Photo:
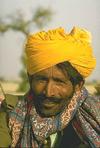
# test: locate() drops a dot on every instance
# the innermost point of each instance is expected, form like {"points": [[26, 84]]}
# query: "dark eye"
{"points": [[41, 79], [59, 81]]}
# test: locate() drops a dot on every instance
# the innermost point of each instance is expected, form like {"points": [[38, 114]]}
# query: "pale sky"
{"points": [[68, 13]]}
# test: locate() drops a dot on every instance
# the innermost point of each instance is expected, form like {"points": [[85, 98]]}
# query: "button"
{"points": [[45, 141]]}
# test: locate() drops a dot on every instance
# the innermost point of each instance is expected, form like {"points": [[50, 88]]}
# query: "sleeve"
{"points": [[5, 138], [7, 104]]}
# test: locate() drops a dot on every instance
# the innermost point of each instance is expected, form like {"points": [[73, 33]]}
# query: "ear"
{"points": [[30, 80], [79, 86], [29, 77]]}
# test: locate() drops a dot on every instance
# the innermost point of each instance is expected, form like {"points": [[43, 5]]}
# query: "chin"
{"points": [[46, 113]]}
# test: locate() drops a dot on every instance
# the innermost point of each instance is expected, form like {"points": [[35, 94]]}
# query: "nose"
{"points": [[49, 89]]}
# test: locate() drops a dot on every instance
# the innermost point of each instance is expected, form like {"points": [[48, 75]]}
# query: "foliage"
{"points": [[17, 22], [97, 87]]}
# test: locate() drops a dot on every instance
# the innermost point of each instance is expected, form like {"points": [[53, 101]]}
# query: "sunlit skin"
{"points": [[52, 91]]}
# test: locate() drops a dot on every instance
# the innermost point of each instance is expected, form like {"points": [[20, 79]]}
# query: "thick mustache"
{"points": [[49, 99]]}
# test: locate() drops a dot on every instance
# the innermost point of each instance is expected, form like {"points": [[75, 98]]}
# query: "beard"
{"points": [[50, 106]]}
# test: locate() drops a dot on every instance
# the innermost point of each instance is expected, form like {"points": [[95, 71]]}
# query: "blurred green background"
{"points": [[20, 17]]}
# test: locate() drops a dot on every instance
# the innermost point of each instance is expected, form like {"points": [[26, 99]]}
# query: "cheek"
{"points": [[66, 91]]}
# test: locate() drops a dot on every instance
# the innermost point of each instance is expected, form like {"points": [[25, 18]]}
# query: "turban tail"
{"points": [[46, 49]]}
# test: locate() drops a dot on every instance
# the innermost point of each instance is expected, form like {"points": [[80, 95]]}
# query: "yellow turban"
{"points": [[46, 49]]}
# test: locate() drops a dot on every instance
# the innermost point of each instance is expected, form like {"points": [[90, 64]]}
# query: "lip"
{"points": [[48, 104]]}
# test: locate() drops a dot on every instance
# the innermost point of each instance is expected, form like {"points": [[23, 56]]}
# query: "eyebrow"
{"points": [[40, 77], [54, 78], [59, 80]]}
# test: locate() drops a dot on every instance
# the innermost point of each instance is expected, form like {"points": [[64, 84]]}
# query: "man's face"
{"points": [[52, 91]]}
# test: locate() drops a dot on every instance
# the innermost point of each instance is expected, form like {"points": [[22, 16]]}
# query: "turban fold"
{"points": [[46, 49]]}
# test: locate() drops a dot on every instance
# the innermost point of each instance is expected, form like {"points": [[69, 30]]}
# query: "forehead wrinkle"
{"points": [[53, 72], [62, 73]]}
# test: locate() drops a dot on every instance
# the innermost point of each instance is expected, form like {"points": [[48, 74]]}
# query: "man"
{"points": [[57, 111]]}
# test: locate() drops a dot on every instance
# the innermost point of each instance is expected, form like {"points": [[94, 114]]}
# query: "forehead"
{"points": [[53, 71]]}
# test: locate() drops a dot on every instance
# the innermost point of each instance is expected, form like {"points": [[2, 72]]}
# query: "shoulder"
{"points": [[92, 102], [92, 105], [7, 104], [10, 101]]}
